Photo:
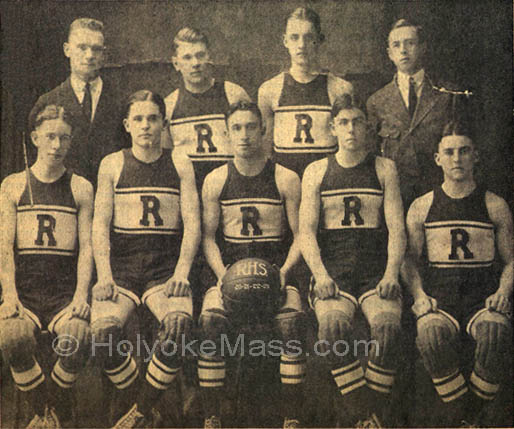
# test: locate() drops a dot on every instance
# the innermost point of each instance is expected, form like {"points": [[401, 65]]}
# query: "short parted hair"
{"points": [[87, 23], [47, 112], [457, 127], [246, 106], [189, 35], [402, 22], [309, 15], [144, 95], [346, 102]]}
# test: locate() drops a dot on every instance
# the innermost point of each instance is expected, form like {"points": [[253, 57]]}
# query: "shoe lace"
{"points": [[130, 419], [36, 422], [51, 421], [291, 423], [212, 422], [369, 423]]}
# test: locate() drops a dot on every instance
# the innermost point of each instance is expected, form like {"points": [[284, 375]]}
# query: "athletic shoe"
{"points": [[51, 419], [133, 419], [37, 422], [371, 422], [212, 422]]}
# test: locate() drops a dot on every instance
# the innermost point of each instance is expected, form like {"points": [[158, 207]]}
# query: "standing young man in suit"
{"points": [[89, 100], [409, 113]]}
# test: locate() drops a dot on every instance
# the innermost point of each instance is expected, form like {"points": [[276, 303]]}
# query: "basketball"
{"points": [[251, 286]]}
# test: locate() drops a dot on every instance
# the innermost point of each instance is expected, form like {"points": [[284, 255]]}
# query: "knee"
{"points": [[106, 329], [213, 323], [493, 343], [73, 339], [291, 325], [334, 325], [17, 340]]}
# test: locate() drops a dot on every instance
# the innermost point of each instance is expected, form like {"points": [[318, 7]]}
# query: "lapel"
{"points": [[425, 103], [73, 104], [394, 103], [101, 106]]}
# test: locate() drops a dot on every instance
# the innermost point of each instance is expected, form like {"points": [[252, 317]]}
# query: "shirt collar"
{"points": [[79, 85], [403, 78]]}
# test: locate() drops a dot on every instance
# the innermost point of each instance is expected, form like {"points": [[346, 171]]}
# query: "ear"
{"points": [[33, 137], [165, 123], [284, 40], [263, 129], [174, 62], [476, 157], [126, 125], [437, 159], [332, 128], [389, 53], [66, 48]]}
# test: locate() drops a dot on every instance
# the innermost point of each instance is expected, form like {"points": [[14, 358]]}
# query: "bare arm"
{"points": [[502, 218], [190, 212], [309, 221], [211, 217], [393, 211], [289, 186], [8, 199], [104, 206], [83, 194], [265, 105]]}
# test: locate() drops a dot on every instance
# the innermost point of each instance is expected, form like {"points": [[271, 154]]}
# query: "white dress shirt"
{"points": [[79, 88], [403, 84]]}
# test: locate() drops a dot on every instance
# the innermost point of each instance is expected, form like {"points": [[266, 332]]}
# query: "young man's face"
{"points": [[53, 140], [456, 156], [144, 124], [245, 133], [85, 49], [405, 49], [349, 127], [192, 60], [302, 41]]}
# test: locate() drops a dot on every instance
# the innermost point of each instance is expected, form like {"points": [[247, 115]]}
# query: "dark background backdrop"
{"points": [[470, 44]]}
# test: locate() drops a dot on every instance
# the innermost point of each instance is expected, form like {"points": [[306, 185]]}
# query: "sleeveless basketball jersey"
{"points": [[47, 235], [301, 123], [198, 123], [146, 206], [351, 225], [253, 216], [459, 233]]}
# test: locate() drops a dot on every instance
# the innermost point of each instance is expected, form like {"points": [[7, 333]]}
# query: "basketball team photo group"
{"points": [[252, 228]]}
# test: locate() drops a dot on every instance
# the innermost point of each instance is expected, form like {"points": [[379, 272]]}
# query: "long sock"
{"points": [[350, 381], [379, 384], [452, 390], [31, 383], [211, 375], [292, 377]]}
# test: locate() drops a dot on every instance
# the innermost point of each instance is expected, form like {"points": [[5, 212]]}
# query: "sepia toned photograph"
{"points": [[256, 214]]}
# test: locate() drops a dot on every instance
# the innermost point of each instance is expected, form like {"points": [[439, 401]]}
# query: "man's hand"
{"points": [[106, 290], [11, 307], [178, 285], [499, 301], [79, 308], [423, 305], [324, 287], [389, 287]]}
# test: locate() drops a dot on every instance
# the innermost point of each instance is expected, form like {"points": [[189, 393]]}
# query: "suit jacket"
{"points": [[411, 143], [91, 140]]}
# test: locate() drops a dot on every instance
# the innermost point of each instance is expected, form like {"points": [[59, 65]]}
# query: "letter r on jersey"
{"points": [[460, 238], [303, 124], [352, 206], [204, 135], [151, 205], [46, 225], [250, 217]]}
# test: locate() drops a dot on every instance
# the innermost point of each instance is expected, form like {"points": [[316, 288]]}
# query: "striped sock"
{"points": [[125, 374], [349, 377], [29, 379], [211, 372], [63, 377], [292, 369], [450, 387], [160, 375], [482, 388], [379, 379]]}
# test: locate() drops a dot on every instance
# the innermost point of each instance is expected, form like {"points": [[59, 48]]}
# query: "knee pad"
{"points": [[291, 325], [493, 341], [175, 326], [106, 333], [17, 340], [385, 330], [436, 343], [74, 336], [334, 325], [213, 323]]}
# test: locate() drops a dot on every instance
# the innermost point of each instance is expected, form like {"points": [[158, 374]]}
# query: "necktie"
{"points": [[413, 98], [87, 103]]}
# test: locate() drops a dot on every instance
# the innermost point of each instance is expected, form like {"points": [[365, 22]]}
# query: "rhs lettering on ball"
{"points": [[251, 268]]}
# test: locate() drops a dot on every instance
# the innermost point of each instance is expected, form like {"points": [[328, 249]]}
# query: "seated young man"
{"points": [[353, 240], [455, 233], [254, 201], [149, 195], [46, 266]]}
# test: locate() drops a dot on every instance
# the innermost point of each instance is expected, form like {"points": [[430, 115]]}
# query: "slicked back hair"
{"points": [[402, 22], [309, 15], [47, 112], [87, 23], [346, 102], [245, 106], [189, 35]]}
